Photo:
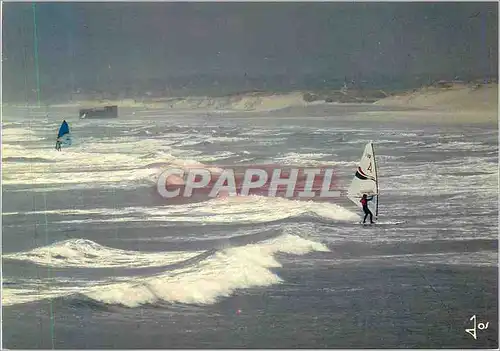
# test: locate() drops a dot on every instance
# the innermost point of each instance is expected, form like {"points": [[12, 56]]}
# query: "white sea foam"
{"points": [[251, 209], [477, 259], [203, 282], [86, 253], [206, 282], [301, 158]]}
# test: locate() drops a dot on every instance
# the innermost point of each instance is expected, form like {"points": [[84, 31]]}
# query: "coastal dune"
{"points": [[251, 101], [448, 103], [455, 97], [269, 102]]}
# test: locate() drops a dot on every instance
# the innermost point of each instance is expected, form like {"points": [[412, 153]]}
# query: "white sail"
{"points": [[365, 180]]}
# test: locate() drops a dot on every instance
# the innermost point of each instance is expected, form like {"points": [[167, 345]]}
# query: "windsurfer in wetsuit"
{"points": [[366, 210], [58, 145]]}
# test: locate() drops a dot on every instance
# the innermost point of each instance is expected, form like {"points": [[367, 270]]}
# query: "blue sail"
{"points": [[64, 136], [64, 129]]}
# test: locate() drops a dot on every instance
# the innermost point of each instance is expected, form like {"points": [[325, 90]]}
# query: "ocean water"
{"points": [[93, 258]]}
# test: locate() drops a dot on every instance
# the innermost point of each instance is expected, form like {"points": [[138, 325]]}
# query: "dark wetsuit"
{"points": [[366, 210]]}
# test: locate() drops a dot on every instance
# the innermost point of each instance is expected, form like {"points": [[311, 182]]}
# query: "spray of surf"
{"points": [[203, 282]]}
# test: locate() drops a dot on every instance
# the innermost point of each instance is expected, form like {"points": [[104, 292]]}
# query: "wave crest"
{"points": [[86, 253], [218, 276]]}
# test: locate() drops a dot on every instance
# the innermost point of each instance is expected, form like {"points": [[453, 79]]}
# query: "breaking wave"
{"points": [[203, 282], [248, 209], [86, 253], [208, 281]]}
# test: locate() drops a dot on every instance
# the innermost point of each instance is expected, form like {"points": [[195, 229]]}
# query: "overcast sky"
{"points": [[144, 40]]}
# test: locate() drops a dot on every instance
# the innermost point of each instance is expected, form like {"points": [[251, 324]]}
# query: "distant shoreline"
{"points": [[448, 101], [348, 95], [302, 97]]}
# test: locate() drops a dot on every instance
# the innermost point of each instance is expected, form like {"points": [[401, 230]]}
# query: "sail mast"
{"points": [[376, 180]]}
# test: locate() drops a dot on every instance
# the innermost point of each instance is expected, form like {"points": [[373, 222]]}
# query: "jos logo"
{"points": [[480, 326]]}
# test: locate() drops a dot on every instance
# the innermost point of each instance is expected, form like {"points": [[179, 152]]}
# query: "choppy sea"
{"points": [[93, 258]]}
